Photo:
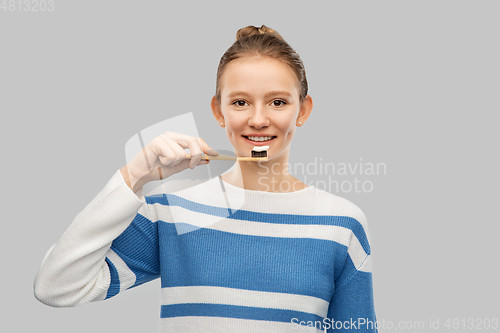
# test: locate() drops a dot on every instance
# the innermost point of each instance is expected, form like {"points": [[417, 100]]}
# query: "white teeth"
{"points": [[260, 138]]}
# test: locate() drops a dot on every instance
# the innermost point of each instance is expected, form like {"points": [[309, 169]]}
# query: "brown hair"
{"points": [[266, 42]]}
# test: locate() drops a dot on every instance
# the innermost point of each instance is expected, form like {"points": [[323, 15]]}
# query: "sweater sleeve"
{"points": [[90, 262], [352, 308]]}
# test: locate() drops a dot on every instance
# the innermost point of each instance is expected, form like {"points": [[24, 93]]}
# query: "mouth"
{"points": [[259, 140]]}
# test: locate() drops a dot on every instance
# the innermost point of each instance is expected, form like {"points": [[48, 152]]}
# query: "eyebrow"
{"points": [[271, 93]]}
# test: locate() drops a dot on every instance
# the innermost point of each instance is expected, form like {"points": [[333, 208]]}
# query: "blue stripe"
{"points": [[341, 221], [358, 290], [114, 285], [348, 272], [233, 311], [209, 257], [140, 234]]}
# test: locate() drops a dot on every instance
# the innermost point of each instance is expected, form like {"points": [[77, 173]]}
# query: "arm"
{"points": [[112, 244], [82, 266], [352, 304]]}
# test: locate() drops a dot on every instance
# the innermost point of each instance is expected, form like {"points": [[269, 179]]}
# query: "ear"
{"points": [[305, 109], [216, 110]]}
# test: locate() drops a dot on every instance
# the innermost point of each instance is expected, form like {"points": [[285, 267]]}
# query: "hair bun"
{"points": [[252, 30]]}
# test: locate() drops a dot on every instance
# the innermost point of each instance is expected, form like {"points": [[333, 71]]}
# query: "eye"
{"points": [[282, 103], [239, 103]]}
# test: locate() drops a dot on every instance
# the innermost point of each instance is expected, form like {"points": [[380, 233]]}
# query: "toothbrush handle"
{"points": [[229, 158]]}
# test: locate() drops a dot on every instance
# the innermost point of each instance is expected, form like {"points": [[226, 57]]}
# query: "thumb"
{"points": [[212, 152]]}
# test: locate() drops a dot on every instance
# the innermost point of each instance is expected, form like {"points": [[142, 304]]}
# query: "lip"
{"points": [[255, 143], [258, 134]]}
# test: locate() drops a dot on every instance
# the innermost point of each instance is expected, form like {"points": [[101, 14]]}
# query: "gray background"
{"points": [[412, 84]]}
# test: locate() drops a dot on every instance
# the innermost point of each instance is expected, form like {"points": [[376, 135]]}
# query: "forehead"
{"points": [[258, 75]]}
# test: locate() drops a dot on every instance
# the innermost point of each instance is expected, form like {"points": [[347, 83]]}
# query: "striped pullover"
{"points": [[229, 259]]}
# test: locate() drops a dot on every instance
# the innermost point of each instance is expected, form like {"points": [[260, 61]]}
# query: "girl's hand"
{"points": [[163, 157]]}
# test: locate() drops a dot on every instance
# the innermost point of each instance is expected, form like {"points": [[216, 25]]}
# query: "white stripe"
{"points": [[327, 232], [367, 265], [218, 325], [199, 220], [356, 252], [313, 202], [144, 211], [216, 198], [242, 297], [126, 276], [104, 275], [312, 199]]}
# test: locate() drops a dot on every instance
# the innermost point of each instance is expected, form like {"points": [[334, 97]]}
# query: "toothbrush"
{"points": [[259, 153]]}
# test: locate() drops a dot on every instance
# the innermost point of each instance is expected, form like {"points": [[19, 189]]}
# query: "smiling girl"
{"points": [[254, 257]]}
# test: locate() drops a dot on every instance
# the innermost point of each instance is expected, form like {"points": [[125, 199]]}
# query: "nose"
{"points": [[258, 117]]}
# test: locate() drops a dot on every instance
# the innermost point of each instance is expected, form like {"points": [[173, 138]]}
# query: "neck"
{"points": [[267, 176]]}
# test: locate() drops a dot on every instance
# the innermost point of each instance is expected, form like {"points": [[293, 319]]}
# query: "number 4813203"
{"points": [[27, 6], [471, 323]]}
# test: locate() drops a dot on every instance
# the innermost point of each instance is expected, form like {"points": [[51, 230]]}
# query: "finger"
{"points": [[181, 139], [203, 162], [167, 155], [196, 151], [212, 152], [163, 152], [182, 165], [180, 154], [207, 149], [184, 139], [189, 142]]}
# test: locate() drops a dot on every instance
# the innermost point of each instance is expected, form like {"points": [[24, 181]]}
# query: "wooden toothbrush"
{"points": [[259, 153]]}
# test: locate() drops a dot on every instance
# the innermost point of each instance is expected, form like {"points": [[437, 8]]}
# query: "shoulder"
{"points": [[330, 204], [347, 221]]}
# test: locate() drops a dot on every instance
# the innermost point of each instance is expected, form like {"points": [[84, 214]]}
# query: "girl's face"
{"points": [[260, 99]]}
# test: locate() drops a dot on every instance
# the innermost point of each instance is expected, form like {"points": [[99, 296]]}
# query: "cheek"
{"points": [[289, 127], [290, 130], [234, 124], [232, 129], [290, 133], [287, 119]]}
